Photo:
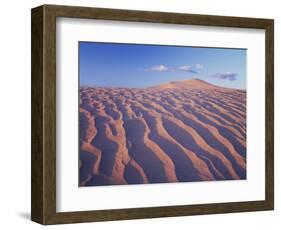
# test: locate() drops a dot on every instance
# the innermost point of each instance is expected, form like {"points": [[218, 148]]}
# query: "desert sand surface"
{"points": [[176, 132]]}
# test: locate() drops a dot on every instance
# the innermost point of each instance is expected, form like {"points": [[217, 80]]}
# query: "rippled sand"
{"points": [[177, 132]]}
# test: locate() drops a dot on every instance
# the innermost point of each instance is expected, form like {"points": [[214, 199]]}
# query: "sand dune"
{"points": [[176, 132]]}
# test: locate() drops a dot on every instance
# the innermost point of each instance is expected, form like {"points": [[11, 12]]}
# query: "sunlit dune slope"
{"points": [[176, 132], [189, 84]]}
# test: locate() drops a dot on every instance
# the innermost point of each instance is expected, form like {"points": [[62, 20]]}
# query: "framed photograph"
{"points": [[141, 114]]}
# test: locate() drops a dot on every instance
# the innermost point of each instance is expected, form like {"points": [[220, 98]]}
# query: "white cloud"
{"points": [[163, 68], [199, 66], [184, 68], [159, 68]]}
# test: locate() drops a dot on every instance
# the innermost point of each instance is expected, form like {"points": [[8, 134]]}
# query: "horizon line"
{"points": [[155, 86]]}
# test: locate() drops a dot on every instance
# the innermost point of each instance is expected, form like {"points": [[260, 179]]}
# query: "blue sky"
{"points": [[136, 65]]}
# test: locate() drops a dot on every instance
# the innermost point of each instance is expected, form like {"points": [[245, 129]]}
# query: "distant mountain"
{"points": [[189, 84]]}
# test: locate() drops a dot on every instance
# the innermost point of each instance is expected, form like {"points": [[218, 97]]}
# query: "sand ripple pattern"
{"points": [[159, 135]]}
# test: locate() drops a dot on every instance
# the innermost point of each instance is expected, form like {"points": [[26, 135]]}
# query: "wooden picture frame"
{"points": [[43, 208]]}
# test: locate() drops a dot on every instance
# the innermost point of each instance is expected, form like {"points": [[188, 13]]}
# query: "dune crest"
{"points": [[189, 84], [175, 132]]}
